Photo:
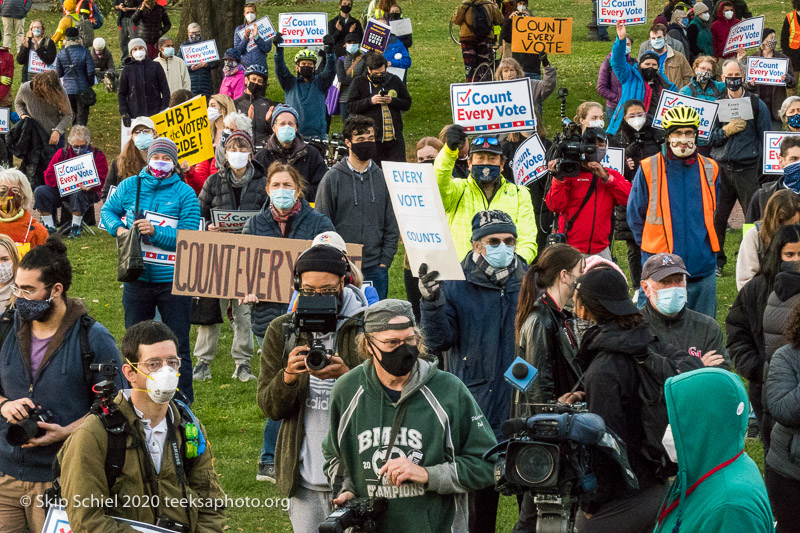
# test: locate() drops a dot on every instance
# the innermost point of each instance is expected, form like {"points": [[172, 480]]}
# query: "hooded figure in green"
{"points": [[718, 487]]}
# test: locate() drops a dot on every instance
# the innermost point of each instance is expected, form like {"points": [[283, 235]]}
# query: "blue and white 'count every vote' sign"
{"points": [[493, 106]]}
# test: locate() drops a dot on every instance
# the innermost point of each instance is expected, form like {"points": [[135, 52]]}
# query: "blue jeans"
{"points": [[141, 300], [702, 295], [343, 111], [379, 276], [270, 431]]}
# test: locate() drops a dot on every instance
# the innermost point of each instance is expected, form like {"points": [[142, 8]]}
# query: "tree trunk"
{"points": [[217, 19]]}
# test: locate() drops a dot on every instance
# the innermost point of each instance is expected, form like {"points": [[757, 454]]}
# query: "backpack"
{"points": [[481, 21], [85, 31]]}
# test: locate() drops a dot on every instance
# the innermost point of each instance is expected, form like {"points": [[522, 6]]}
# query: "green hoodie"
{"points": [[443, 429], [718, 487]]}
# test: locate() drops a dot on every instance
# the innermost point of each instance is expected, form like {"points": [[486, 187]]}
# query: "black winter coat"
{"points": [[29, 141], [303, 157], [758, 202], [151, 23], [745, 329], [261, 128], [217, 192], [783, 382], [359, 102], [200, 77], [143, 88], [46, 51]]}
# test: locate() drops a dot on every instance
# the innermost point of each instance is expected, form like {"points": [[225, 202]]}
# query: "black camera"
{"points": [[172, 525], [568, 149], [359, 513], [27, 429], [318, 357], [316, 313]]}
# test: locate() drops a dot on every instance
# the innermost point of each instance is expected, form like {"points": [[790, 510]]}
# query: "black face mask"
{"points": [[394, 16], [363, 150], [307, 72], [346, 8], [790, 266], [733, 84], [648, 74], [256, 89], [378, 79], [400, 361]]}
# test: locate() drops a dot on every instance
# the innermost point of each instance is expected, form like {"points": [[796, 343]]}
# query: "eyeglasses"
{"points": [[24, 293], [485, 140], [494, 241], [16, 191], [155, 364], [394, 344], [309, 291]]}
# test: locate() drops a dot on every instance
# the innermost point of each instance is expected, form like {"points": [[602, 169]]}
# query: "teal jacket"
{"points": [[718, 488], [443, 430]]}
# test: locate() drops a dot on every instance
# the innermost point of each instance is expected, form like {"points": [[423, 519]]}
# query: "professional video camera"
{"points": [[359, 513], [317, 313], [568, 149]]}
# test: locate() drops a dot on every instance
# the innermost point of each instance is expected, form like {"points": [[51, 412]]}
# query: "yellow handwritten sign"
{"points": [[187, 125], [534, 35]]}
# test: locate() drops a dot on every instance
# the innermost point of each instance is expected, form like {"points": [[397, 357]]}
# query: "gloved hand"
{"points": [[278, 39], [5, 80], [455, 136], [734, 126], [328, 42], [126, 119], [429, 286]]}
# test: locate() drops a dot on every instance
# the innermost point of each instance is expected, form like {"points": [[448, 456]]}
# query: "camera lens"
{"points": [[316, 359], [19, 434], [534, 464]]}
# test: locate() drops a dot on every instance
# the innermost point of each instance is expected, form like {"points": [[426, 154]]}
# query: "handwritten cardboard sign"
{"points": [[302, 29], [376, 36], [631, 12], [615, 159], [733, 108], [401, 27], [420, 215], [746, 34], [36, 65], [529, 163], [229, 265], [187, 125], [231, 221], [265, 30], [202, 52], [534, 35], [75, 173], [493, 106], [705, 108], [766, 70], [772, 150]]}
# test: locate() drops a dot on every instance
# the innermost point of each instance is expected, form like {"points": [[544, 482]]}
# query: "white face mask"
{"points": [[637, 123], [238, 160], [139, 55], [728, 15], [704, 17], [668, 441], [161, 385], [250, 17], [6, 272], [597, 124], [213, 114], [680, 151]]}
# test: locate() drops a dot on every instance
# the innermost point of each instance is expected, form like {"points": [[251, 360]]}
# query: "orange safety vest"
{"points": [[657, 233], [794, 30]]}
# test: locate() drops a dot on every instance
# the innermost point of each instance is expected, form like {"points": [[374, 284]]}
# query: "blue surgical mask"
{"points": [[351, 48], [169, 51], [791, 177], [671, 300], [286, 134], [36, 32], [499, 256], [282, 198], [793, 121], [657, 43], [143, 141], [628, 50], [485, 173]]}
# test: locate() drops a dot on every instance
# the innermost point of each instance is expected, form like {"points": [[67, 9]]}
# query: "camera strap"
{"points": [[589, 193], [398, 420]]}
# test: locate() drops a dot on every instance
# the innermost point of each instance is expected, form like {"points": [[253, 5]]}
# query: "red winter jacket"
{"points": [[720, 29], [99, 162], [6, 69], [199, 173], [590, 231]]}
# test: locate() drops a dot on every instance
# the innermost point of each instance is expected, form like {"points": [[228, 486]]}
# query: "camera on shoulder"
{"points": [[316, 313]]}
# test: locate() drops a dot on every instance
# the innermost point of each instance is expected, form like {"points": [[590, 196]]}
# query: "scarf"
{"points": [[245, 179], [283, 220], [498, 276]]}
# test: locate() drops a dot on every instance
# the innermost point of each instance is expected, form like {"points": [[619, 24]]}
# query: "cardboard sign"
{"points": [[529, 163], [772, 150], [420, 215], [188, 126], [534, 35], [58, 522], [227, 265], [493, 106], [231, 221], [766, 70], [36, 65], [401, 27], [302, 29], [5, 119], [705, 108], [76, 172], [615, 159], [376, 36], [151, 253], [265, 30], [730, 109], [202, 52], [631, 12], [746, 34]]}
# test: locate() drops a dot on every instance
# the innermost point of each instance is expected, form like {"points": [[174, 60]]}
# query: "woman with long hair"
{"points": [[44, 100], [133, 157], [589, 115], [16, 218], [9, 261], [38, 42]]}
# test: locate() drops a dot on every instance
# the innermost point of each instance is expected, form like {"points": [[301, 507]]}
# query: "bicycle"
{"points": [[332, 150], [485, 70]]}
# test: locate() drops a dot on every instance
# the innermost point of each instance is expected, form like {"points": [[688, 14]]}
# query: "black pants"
{"points": [[739, 182], [390, 151], [483, 510], [634, 262], [637, 513], [80, 111], [783, 496], [412, 291]]}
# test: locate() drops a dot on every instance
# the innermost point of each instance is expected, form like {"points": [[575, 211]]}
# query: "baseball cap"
{"points": [[330, 238], [609, 288], [143, 121], [485, 143], [378, 315], [662, 265]]}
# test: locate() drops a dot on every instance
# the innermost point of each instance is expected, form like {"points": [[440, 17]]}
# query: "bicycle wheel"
{"points": [[483, 72], [454, 35]]}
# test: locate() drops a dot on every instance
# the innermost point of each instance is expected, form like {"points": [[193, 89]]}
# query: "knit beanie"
{"points": [[133, 43], [163, 145], [650, 54], [322, 258], [488, 222], [240, 134], [283, 108], [699, 8]]}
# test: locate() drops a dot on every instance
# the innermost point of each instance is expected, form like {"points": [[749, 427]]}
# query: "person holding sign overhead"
{"points": [[252, 48], [772, 95], [38, 42], [200, 73]]}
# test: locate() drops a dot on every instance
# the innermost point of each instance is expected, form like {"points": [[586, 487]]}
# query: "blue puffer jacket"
{"points": [[397, 53], [15, 9], [254, 56], [170, 197], [306, 225], [474, 319], [308, 98], [58, 386], [201, 77], [632, 83], [79, 78]]}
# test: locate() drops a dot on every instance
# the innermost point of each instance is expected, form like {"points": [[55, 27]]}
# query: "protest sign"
{"points": [[187, 125], [36, 65], [746, 34], [151, 253], [228, 265], [493, 106], [534, 35], [766, 70], [100, 224], [401, 27], [615, 159], [399, 72], [376, 36], [58, 522], [733, 108], [302, 29], [75, 173], [772, 150], [202, 52], [265, 30], [529, 164], [631, 12], [5, 119], [705, 108], [124, 134], [231, 221], [420, 215]]}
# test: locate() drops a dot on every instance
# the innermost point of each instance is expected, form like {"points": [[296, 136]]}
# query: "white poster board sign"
{"points": [[5, 119], [202, 52], [529, 162], [124, 135], [746, 34], [631, 12], [766, 70], [100, 224], [151, 253], [401, 27], [705, 108], [615, 159], [772, 150], [302, 29], [733, 108], [58, 522], [420, 215], [36, 65], [75, 173], [493, 106], [231, 221], [265, 30]]}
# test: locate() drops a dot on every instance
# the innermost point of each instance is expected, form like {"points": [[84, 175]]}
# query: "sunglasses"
{"points": [[488, 140], [494, 241]]}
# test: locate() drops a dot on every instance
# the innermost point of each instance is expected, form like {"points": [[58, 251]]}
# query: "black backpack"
{"points": [[481, 21]]}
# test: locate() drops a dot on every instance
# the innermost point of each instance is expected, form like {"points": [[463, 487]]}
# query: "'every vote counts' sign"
{"points": [[75, 173], [529, 164], [302, 29], [706, 109], [493, 106], [772, 150], [746, 34], [631, 12]]}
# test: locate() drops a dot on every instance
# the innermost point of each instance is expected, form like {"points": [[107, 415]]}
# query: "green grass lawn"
{"points": [[228, 408]]}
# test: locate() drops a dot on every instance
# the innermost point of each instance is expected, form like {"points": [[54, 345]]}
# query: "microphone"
{"points": [[521, 374]]}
